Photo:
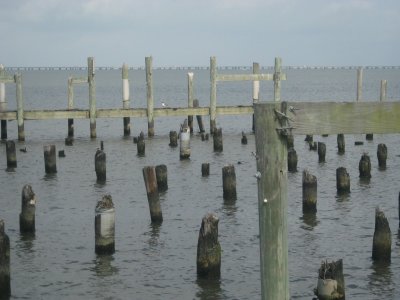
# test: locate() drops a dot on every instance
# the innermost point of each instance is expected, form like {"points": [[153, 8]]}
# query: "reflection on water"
{"points": [[50, 177], [380, 280], [309, 219], [27, 240], [342, 196], [209, 288], [229, 208], [154, 234], [103, 265]]}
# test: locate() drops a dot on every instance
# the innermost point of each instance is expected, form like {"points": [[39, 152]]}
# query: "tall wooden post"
{"points": [[190, 99], [126, 98], [92, 97], [383, 90], [359, 83], [272, 200], [150, 99], [213, 93], [20, 107], [5, 286], [3, 104], [256, 86], [70, 106], [277, 78]]}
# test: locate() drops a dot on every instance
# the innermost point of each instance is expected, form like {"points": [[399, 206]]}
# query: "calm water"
{"points": [[159, 262]]}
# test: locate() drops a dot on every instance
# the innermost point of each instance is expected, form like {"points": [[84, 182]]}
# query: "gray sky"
{"points": [[188, 32]]}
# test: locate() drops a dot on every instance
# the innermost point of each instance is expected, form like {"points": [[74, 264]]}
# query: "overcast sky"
{"points": [[188, 32]]}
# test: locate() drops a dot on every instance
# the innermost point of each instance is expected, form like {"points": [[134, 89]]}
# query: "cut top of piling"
{"points": [[105, 203]]}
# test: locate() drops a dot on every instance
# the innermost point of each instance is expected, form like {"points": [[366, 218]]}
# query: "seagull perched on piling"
{"points": [[163, 104]]}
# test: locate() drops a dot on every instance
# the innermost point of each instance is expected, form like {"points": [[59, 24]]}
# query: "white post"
{"points": [[190, 98], [126, 98]]}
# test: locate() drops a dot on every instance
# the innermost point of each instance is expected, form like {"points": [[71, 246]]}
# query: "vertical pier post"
{"points": [[359, 83], [383, 92], [198, 117], [271, 151], [104, 226], [100, 165], [277, 78], [11, 155], [150, 180], [70, 106], [3, 104], [341, 143], [20, 107], [229, 182], [126, 98], [213, 93], [5, 286], [184, 141], [92, 97], [256, 87], [150, 98], [382, 241], [162, 178], [190, 99], [50, 159], [28, 208]]}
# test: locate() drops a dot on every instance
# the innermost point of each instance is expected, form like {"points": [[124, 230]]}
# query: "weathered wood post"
{"points": [[150, 180], [290, 141], [50, 159], [229, 182], [382, 242], [383, 91], [3, 103], [173, 138], [309, 138], [359, 83], [100, 165], [309, 192], [321, 152], [341, 143], [190, 99], [205, 170], [399, 209], [5, 282], [256, 87], [330, 283], [244, 139], [104, 226], [184, 141], [272, 200], [382, 156], [141, 146], [277, 78], [150, 98], [364, 166], [292, 160], [20, 107], [342, 180], [162, 178], [313, 146], [92, 97], [70, 106], [28, 208], [208, 248], [213, 94], [126, 98], [198, 117], [369, 136], [11, 155], [217, 139]]}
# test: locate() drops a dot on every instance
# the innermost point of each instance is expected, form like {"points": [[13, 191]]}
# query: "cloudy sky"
{"points": [[188, 32]]}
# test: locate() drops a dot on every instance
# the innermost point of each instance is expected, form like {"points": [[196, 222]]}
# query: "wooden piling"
{"points": [[382, 241], [69, 141], [369, 136], [173, 138], [256, 88], [229, 182], [290, 141], [277, 79], [208, 248], [330, 283], [100, 165], [104, 226], [364, 166], [382, 156], [359, 84], [321, 152], [20, 107], [198, 117], [190, 99], [11, 155], [217, 139], [150, 98], [383, 91], [213, 94], [126, 99], [399, 209], [162, 178], [70, 106], [309, 138], [5, 282], [244, 138], [184, 141], [205, 170], [50, 161], [341, 143], [150, 180], [309, 192], [61, 153], [3, 104], [292, 160], [313, 146], [28, 208], [140, 145], [92, 97], [342, 180]]}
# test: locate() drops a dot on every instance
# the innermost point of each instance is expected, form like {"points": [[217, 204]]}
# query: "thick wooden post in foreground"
{"points": [[5, 286], [272, 200], [150, 99], [92, 97]]}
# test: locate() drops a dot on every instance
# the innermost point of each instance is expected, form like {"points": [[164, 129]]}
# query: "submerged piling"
{"points": [[162, 178], [150, 180], [5, 282], [28, 209], [321, 152], [341, 143], [309, 192], [292, 160], [244, 138], [50, 159], [208, 248], [382, 242], [104, 226], [11, 155], [173, 138], [342, 180], [229, 182], [369, 136], [205, 170], [330, 283], [100, 165], [364, 166], [184, 140], [382, 156], [140, 145], [217, 139]]}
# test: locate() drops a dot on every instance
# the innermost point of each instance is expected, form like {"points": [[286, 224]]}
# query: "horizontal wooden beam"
{"points": [[235, 110], [185, 111], [121, 112], [55, 114], [7, 79], [79, 80], [341, 117], [244, 77]]}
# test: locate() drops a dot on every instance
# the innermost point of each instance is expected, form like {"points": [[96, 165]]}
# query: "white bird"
{"points": [[163, 104]]}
